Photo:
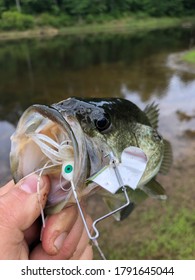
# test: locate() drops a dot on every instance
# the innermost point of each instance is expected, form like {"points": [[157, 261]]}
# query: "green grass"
{"points": [[164, 236], [173, 239], [128, 24], [189, 57]]}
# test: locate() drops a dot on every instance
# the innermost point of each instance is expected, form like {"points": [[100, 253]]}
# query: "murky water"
{"points": [[130, 66]]}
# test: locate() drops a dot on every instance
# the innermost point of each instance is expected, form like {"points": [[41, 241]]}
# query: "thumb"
{"points": [[20, 206]]}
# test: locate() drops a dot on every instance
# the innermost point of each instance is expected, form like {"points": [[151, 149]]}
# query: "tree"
{"points": [[18, 5]]}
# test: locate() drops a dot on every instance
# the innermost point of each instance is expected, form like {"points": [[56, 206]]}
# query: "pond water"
{"points": [[103, 65]]}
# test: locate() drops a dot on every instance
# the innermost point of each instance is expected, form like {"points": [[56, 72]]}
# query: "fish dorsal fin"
{"points": [[155, 190], [152, 112], [167, 158]]}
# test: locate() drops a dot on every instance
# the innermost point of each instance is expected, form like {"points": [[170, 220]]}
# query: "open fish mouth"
{"points": [[43, 143]]}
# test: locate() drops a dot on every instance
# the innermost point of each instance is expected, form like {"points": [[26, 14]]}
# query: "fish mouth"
{"points": [[44, 140]]}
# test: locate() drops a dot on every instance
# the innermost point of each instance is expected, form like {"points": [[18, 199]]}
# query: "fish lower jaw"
{"points": [[57, 201], [59, 191]]}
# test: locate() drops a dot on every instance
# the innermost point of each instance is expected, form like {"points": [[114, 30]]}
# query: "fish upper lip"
{"points": [[52, 113]]}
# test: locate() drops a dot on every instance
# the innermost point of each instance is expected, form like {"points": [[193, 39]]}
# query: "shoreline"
{"points": [[28, 34], [176, 61], [126, 25]]}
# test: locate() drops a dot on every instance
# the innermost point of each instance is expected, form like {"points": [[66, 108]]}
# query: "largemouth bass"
{"points": [[77, 134]]}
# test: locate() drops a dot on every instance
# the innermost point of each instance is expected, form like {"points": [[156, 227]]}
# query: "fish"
{"points": [[76, 134]]}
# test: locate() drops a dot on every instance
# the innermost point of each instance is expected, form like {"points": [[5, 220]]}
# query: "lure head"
{"points": [[68, 170]]}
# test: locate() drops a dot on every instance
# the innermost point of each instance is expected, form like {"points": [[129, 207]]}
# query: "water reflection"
{"points": [[179, 96], [130, 66], [48, 70]]}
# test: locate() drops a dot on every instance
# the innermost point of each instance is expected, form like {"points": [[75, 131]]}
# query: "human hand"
{"points": [[64, 236]]}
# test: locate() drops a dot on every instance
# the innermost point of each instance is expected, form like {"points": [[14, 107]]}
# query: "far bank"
{"points": [[129, 24]]}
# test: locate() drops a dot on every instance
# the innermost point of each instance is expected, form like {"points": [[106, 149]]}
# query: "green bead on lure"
{"points": [[67, 170]]}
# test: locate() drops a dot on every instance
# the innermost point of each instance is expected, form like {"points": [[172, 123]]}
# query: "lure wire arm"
{"points": [[120, 181]]}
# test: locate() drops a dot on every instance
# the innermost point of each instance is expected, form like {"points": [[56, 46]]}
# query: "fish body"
{"points": [[80, 132]]}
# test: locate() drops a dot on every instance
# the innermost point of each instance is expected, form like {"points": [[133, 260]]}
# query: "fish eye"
{"points": [[103, 123]]}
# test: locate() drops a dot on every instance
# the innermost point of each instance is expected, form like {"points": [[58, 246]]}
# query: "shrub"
{"points": [[103, 18], [15, 20], [46, 19], [65, 20], [89, 19]]}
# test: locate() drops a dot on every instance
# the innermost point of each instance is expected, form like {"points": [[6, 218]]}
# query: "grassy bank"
{"points": [[189, 57], [129, 24]]}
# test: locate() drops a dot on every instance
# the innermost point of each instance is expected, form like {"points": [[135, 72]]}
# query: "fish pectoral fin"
{"points": [[122, 214], [125, 212], [113, 202], [155, 190], [167, 158], [152, 112]]}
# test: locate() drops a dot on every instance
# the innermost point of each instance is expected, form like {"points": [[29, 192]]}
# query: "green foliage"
{"points": [[84, 8], [97, 7], [47, 19], [65, 20], [38, 7], [16, 20], [189, 6], [76, 7], [162, 8], [2, 7], [89, 11]]}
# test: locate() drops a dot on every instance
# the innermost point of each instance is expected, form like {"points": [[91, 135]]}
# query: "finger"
{"points": [[32, 234], [39, 254], [19, 208], [68, 245], [10, 185], [87, 254], [57, 228], [83, 242], [68, 241]]}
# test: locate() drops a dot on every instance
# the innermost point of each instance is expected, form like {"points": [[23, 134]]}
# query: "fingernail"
{"points": [[60, 240], [32, 184]]}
